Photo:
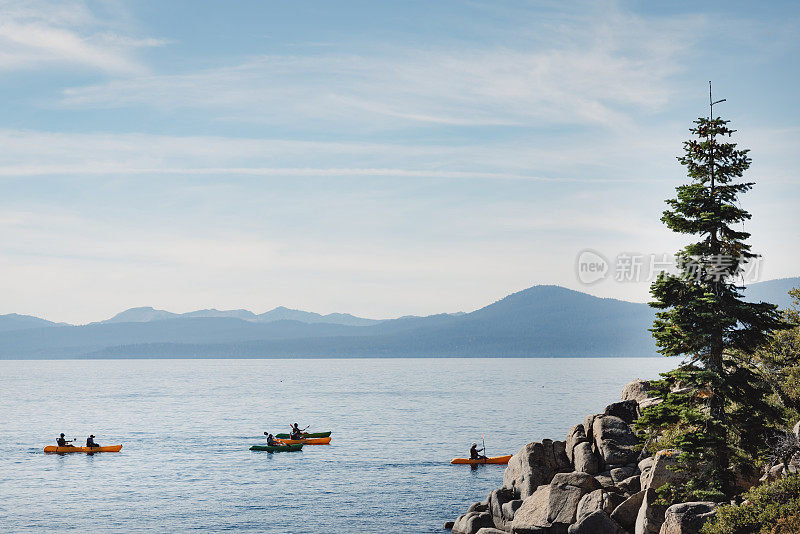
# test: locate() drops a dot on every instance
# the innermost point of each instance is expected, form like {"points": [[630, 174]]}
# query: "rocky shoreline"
{"points": [[596, 481]]}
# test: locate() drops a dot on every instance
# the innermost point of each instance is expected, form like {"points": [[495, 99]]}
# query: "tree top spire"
{"points": [[711, 102]]}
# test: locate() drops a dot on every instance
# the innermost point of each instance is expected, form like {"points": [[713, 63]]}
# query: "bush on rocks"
{"points": [[763, 509]]}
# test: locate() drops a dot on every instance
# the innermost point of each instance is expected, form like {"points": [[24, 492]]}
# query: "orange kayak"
{"points": [[307, 441], [502, 460], [69, 448]]}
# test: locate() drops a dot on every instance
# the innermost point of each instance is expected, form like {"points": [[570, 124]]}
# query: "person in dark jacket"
{"points": [[61, 442], [271, 440], [90, 442], [473, 453], [297, 432]]}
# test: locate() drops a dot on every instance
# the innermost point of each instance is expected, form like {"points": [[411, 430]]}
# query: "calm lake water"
{"points": [[186, 426]]}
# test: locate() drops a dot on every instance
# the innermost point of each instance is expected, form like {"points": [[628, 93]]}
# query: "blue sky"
{"points": [[377, 158]]}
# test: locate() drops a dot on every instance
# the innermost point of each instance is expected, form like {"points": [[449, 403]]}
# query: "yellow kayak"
{"points": [[307, 441], [502, 460], [70, 448]]}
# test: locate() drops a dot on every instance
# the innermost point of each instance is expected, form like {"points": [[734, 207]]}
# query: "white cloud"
{"points": [[593, 74], [45, 34], [34, 153]]}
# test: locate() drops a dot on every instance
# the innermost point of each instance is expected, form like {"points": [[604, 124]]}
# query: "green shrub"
{"points": [[772, 507]]}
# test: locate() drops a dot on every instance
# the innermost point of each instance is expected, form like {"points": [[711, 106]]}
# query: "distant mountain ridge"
{"points": [[541, 321], [148, 314], [774, 291], [14, 321]]}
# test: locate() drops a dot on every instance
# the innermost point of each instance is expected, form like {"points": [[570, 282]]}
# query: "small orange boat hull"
{"points": [[501, 460], [307, 441], [88, 450]]}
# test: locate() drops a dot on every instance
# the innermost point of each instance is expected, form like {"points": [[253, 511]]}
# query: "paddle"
{"points": [[483, 439]]}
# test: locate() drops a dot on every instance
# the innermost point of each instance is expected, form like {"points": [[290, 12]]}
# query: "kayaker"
{"points": [[63, 442], [297, 433], [271, 440], [473, 453], [90, 442]]}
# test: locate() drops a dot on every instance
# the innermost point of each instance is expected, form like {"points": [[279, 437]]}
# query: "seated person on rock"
{"points": [[473, 453]]}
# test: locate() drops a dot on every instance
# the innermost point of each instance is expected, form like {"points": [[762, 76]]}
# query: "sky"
{"points": [[376, 158]]}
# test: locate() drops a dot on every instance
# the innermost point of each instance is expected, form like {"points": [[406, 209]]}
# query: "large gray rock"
{"points": [[585, 460], [583, 481], [646, 464], [479, 507], [552, 508], [534, 465], [604, 479], [615, 441], [687, 517], [663, 470], [526, 471], [510, 509], [532, 515], [651, 515], [486, 530], [565, 495], [627, 410], [556, 456], [625, 513], [630, 485], [496, 501], [576, 435], [472, 522], [596, 523], [642, 392], [621, 473], [588, 428], [637, 390], [597, 500]]}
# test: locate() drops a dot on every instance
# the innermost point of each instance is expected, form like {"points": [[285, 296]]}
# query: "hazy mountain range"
{"points": [[148, 314], [544, 321]]}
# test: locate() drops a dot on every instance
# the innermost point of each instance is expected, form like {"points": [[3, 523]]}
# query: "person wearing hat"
{"points": [[473, 453], [63, 442], [90, 442]]}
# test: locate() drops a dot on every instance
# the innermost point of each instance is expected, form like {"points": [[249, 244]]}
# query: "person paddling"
{"points": [[297, 433], [61, 442], [90, 442], [473, 453], [271, 440]]}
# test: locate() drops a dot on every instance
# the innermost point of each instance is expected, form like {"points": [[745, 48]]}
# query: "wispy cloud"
{"points": [[594, 73], [46, 34], [36, 154]]}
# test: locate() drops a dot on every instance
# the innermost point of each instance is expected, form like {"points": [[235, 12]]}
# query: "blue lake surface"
{"points": [[186, 426]]}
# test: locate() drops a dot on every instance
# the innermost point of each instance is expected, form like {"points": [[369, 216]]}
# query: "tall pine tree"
{"points": [[715, 410]]}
